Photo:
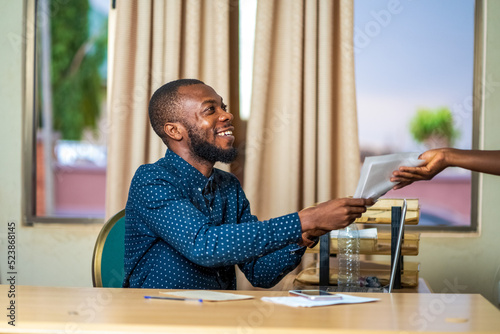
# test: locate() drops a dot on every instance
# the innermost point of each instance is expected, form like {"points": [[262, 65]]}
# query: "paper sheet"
{"points": [[304, 302], [367, 233], [377, 171], [207, 295]]}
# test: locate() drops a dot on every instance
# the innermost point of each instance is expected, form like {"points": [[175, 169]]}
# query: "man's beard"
{"points": [[207, 151]]}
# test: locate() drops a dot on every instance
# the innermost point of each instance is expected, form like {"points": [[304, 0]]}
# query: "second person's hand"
{"points": [[435, 162]]}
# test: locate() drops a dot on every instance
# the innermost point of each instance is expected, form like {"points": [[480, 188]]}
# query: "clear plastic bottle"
{"points": [[348, 257]]}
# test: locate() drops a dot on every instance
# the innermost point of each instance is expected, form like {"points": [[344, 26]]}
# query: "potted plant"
{"points": [[434, 128]]}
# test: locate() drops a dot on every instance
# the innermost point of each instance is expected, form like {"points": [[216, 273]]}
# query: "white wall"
{"points": [[55, 255]]}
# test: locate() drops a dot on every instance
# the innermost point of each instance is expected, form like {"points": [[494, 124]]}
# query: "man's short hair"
{"points": [[164, 105]]}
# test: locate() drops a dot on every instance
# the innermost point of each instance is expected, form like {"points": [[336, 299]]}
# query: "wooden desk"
{"points": [[78, 310]]}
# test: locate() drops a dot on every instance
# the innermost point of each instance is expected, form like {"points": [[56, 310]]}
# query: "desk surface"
{"points": [[77, 310]]}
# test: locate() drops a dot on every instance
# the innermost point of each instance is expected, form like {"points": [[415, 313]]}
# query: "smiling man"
{"points": [[188, 224]]}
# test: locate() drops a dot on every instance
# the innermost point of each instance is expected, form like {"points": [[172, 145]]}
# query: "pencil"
{"points": [[174, 298]]}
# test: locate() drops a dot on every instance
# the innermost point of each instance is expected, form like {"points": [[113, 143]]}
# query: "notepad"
{"points": [[207, 295]]}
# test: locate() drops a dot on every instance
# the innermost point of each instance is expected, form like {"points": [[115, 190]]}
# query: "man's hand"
{"points": [[308, 240], [332, 215], [435, 162]]}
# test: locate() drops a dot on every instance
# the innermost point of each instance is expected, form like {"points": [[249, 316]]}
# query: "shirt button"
{"points": [[199, 189]]}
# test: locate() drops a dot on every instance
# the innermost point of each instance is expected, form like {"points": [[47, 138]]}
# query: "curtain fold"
{"points": [[154, 42], [302, 140]]}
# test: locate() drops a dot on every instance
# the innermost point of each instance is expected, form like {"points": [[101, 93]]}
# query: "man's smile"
{"points": [[226, 132]]}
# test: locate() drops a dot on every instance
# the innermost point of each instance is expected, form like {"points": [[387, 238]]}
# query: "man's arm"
{"points": [[439, 159], [169, 215], [268, 270]]}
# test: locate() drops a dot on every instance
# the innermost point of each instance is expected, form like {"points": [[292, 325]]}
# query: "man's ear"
{"points": [[174, 131]]}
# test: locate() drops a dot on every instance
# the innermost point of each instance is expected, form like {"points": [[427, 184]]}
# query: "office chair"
{"points": [[107, 260]]}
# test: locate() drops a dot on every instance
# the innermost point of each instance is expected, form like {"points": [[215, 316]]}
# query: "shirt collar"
{"points": [[190, 175]]}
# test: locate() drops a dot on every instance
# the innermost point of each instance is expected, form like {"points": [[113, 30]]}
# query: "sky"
{"points": [[101, 6], [411, 54]]}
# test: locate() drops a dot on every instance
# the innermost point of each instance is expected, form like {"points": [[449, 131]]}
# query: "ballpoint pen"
{"points": [[174, 298]]}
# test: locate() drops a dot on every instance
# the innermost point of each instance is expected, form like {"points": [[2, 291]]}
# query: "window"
{"points": [[416, 57], [66, 178], [247, 14]]}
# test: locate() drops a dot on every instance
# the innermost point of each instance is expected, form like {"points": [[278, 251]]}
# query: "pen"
{"points": [[173, 298]]}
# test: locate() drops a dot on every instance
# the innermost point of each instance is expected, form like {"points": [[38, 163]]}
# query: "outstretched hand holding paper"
{"points": [[377, 172]]}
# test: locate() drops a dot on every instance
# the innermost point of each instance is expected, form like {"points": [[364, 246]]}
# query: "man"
{"points": [[188, 224]]}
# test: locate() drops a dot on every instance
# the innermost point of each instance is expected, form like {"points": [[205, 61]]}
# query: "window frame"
{"points": [[477, 108], [29, 136]]}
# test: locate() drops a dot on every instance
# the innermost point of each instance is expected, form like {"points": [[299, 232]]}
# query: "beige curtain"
{"points": [[302, 140], [153, 42]]}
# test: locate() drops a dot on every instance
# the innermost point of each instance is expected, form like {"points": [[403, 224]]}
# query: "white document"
{"points": [[367, 233], [304, 302], [206, 295], [377, 171]]}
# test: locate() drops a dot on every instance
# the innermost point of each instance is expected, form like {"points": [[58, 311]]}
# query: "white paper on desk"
{"points": [[304, 302], [377, 171], [206, 295]]}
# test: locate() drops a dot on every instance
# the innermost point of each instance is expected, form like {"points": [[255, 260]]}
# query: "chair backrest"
{"points": [[107, 261]]}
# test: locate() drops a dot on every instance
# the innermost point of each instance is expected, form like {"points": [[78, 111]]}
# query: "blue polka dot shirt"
{"points": [[186, 231]]}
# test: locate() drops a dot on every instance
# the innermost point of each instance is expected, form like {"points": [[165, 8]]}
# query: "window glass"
{"points": [[70, 80], [414, 76]]}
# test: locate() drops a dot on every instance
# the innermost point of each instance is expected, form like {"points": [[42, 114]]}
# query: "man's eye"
{"points": [[224, 107]]}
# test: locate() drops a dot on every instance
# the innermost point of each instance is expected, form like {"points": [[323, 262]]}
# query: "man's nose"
{"points": [[225, 116]]}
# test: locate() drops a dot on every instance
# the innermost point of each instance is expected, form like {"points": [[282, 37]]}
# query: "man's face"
{"points": [[208, 124]]}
